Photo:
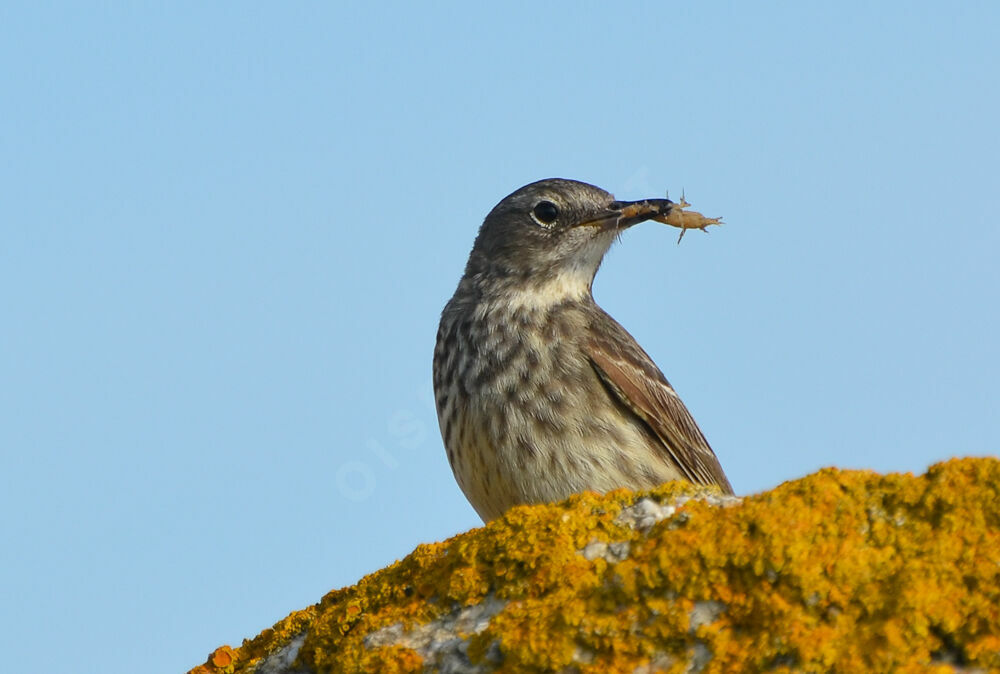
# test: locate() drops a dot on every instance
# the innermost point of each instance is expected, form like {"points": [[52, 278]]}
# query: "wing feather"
{"points": [[631, 375]]}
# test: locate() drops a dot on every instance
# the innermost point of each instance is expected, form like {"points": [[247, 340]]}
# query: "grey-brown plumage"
{"points": [[541, 394]]}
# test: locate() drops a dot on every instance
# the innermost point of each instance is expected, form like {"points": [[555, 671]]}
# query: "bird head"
{"points": [[549, 237]]}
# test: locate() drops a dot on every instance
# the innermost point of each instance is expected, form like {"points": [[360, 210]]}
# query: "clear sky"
{"points": [[227, 231]]}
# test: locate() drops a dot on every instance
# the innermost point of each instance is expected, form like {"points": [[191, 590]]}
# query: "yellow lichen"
{"points": [[841, 570]]}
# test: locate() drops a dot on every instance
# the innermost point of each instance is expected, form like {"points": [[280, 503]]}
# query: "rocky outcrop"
{"points": [[839, 571]]}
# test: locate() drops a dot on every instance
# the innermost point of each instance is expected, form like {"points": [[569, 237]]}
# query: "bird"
{"points": [[540, 394]]}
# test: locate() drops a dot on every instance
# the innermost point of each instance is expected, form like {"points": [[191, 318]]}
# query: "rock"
{"points": [[838, 571]]}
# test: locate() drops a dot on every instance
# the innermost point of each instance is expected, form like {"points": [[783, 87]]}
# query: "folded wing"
{"points": [[632, 376]]}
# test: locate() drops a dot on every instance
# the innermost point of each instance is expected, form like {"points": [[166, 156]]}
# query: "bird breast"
{"points": [[523, 415]]}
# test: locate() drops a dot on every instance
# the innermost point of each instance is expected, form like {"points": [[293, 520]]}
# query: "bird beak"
{"points": [[634, 212], [623, 214]]}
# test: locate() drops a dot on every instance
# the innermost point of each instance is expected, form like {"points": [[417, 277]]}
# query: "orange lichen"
{"points": [[841, 570], [221, 657]]}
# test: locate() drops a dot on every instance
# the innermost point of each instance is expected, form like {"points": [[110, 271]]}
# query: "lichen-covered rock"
{"points": [[843, 571]]}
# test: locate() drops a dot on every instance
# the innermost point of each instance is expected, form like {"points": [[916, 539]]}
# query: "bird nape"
{"points": [[541, 394]]}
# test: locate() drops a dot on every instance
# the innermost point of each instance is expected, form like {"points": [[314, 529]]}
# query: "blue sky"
{"points": [[227, 231]]}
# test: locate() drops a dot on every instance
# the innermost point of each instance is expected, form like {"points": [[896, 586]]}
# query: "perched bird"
{"points": [[541, 394]]}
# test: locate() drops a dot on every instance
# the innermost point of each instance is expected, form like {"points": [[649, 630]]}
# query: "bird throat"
{"points": [[572, 284], [569, 280]]}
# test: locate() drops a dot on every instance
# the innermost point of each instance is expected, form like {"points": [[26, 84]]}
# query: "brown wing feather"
{"points": [[632, 376]]}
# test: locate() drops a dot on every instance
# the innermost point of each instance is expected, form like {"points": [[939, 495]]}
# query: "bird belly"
{"points": [[541, 434]]}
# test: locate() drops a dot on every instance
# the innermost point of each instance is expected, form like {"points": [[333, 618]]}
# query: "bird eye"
{"points": [[545, 212]]}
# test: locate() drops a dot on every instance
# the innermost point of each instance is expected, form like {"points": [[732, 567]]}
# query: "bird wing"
{"points": [[632, 376]]}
